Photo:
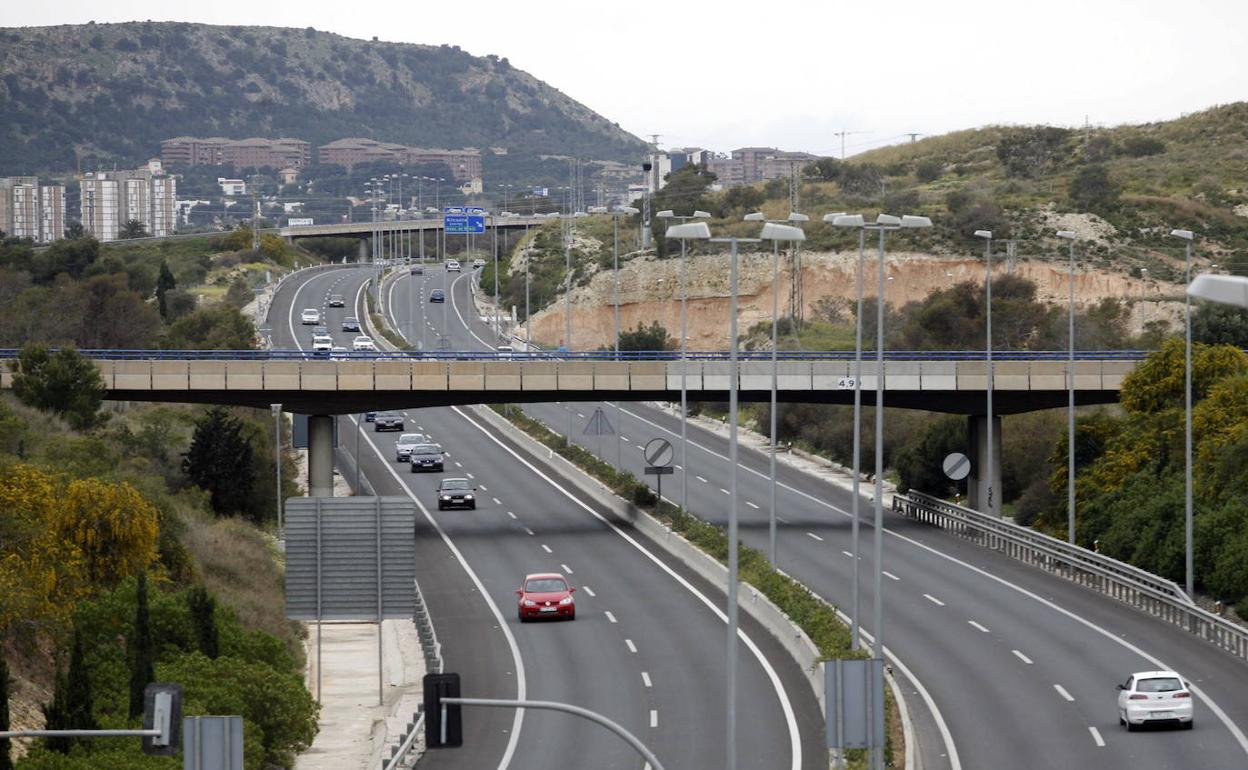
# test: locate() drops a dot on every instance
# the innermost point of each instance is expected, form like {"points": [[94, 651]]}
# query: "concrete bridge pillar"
{"points": [[363, 250], [320, 455], [984, 494]]}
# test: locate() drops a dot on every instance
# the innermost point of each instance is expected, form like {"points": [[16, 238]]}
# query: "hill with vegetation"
{"points": [[95, 94]]}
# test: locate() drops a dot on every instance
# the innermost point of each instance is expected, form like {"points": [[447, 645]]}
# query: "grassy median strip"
{"points": [[810, 613]]}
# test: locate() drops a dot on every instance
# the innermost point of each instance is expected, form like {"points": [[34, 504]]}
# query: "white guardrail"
{"points": [[1128, 584]]}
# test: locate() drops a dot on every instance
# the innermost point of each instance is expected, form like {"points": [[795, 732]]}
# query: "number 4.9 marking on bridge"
{"points": [[845, 383]]}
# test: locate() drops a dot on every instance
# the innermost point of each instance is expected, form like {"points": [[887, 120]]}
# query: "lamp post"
{"points": [[684, 356], [883, 223], [276, 410], [615, 266], [1187, 236], [1070, 393], [989, 504], [567, 295], [758, 216]]}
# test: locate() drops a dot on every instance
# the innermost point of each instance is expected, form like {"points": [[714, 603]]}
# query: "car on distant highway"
{"points": [[406, 443], [478, 263], [1155, 698], [320, 330], [370, 416], [350, 324], [505, 351], [453, 266], [322, 343], [363, 342], [426, 457], [338, 353], [456, 493], [336, 300], [388, 421], [545, 595], [310, 315], [437, 295], [417, 270]]}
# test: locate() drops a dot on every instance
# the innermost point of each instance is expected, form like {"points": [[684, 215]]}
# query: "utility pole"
{"points": [[914, 136], [255, 218], [842, 134]]}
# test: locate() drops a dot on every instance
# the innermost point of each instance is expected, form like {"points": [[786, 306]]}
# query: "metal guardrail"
{"points": [[1118, 580], [585, 355], [433, 664]]}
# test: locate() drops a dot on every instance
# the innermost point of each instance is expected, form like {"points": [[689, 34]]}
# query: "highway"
{"points": [[1018, 666], [647, 647]]}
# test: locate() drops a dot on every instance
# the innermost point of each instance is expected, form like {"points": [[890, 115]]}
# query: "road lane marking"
{"points": [[469, 475], [847, 553], [484, 488], [546, 548], [512, 515], [726, 492], [1096, 736], [654, 718], [1022, 657], [611, 617], [1062, 692], [567, 569], [631, 647], [782, 520], [752, 505], [623, 438], [812, 534], [979, 628], [699, 478], [889, 575], [934, 600], [645, 679], [529, 531], [588, 590], [496, 501], [458, 464]]}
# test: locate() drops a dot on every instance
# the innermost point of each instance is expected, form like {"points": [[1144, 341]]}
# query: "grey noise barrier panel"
{"points": [[350, 558]]}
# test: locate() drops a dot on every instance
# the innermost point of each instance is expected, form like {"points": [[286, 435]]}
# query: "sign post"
{"points": [[658, 454], [599, 426]]}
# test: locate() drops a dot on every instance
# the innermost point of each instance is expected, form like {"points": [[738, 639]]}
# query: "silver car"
{"points": [[426, 457], [406, 443]]}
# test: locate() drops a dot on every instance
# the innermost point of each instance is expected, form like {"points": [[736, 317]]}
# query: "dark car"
{"points": [[417, 270], [336, 300], [350, 324], [425, 457], [456, 493], [437, 295], [388, 421], [370, 416], [545, 595]]}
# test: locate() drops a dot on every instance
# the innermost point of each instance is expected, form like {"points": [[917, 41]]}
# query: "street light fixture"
{"points": [[615, 255], [883, 223], [1069, 235], [684, 346], [989, 502], [1188, 236]]}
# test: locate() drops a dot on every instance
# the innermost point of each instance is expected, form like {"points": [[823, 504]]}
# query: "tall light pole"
{"points": [[684, 355], [615, 267], [758, 216], [1187, 236], [567, 296], [276, 410], [990, 502], [883, 224], [855, 602], [1069, 235]]}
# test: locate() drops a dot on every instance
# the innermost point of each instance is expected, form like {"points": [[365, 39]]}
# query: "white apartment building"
{"points": [[51, 213], [100, 207], [122, 196], [30, 210]]}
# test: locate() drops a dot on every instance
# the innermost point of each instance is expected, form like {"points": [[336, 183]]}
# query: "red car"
{"points": [[545, 595]]}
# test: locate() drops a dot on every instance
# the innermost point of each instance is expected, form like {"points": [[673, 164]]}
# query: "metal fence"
{"points": [[1131, 585]]}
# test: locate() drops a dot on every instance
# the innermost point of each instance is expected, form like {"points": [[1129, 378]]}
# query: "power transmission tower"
{"points": [[914, 136], [842, 134]]}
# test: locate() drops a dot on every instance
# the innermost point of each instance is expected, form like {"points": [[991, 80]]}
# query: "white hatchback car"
{"points": [[1155, 697], [363, 342], [452, 266], [406, 443], [478, 264], [310, 315]]}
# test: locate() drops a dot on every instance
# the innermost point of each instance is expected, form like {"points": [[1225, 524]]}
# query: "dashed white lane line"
{"points": [[469, 475], [848, 553], [578, 414], [1022, 657], [889, 575], [699, 478], [1096, 736], [678, 466], [588, 590], [610, 617], [726, 492], [1062, 692], [781, 519], [512, 515], [812, 534], [624, 438], [752, 505], [546, 548], [654, 717], [645, 679], [496, 501], [934, 600], [528, 531], [567, 569], [458, 464], [631, 647], [639, 446], [978, 627]]}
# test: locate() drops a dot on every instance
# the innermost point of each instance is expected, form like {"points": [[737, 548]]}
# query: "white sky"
{"points": [[726, 73]]}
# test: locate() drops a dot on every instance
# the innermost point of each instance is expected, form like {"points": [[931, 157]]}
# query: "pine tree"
{"points": [[220, 460], [6, 760], [71, 706], [202, 607], [164, 282], [140, 649]]}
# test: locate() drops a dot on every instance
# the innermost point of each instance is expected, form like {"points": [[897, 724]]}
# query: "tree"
{"points": [[113, 527], [216, 327], [112, 314], [140, 649], [1093, 190], [919, 465], [203, 607], [164, 283], [928, 170], [645, 338], [1026, 152], [65, 382], [72, 703], [220, 461], [74, 231], [1216, 324], [71, 257], [133, 228]]}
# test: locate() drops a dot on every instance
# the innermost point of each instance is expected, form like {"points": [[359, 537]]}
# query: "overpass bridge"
{"points": [[362, 229]]}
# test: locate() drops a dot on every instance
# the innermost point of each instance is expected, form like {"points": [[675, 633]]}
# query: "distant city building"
{"points": [[783, 165], [289, 175], [145, 195], [240, 153], [232, 186], [752, 161], [465, 164], [728, 171], [30, 210]]}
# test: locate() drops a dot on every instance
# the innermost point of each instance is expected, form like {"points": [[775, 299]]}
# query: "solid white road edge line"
{"points": [[1161, 665], [795, 739]]}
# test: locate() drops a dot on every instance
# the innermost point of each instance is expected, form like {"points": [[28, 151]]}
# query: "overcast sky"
{"points": [[725, 73]]}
